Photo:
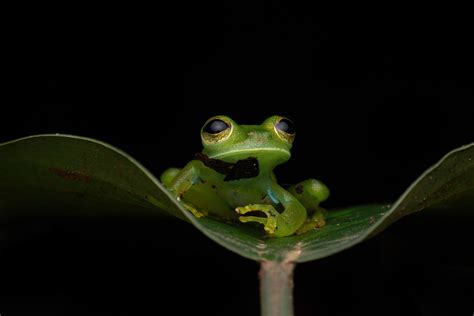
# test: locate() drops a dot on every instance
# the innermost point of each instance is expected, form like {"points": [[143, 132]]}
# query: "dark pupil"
{"points": [[215, 126], [286, 126]]}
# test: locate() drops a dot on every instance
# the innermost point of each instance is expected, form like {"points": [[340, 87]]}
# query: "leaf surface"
{"points": [[77, 175]]}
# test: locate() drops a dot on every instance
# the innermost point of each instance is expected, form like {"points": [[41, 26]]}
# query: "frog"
{"points": [[233, 178]]}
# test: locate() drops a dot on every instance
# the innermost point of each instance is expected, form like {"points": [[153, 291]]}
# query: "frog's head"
{"points": [[269, 142]]}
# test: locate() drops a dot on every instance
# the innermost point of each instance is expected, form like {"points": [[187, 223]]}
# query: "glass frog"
{"points": [[233, 178]]}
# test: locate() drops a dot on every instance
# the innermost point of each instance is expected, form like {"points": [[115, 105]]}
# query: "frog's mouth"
{"points": [[242, 169], [254, 152]]}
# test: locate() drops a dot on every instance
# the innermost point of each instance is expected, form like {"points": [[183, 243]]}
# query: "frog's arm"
{"points": [[277, 224], [179, 181]]}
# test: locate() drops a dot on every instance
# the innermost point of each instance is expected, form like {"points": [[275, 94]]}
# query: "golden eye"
{"points": [[285, 128], [216, 129]]}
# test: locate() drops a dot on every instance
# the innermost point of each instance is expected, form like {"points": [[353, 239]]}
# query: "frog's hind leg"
{"points": [[310, 193], [315, 220], [168, 175]]}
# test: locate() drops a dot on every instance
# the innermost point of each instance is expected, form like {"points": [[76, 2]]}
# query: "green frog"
{"points": [[233, 178]]}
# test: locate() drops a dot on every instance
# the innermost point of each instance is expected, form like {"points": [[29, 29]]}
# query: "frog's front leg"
{"points": [[269, 223], [179, 181], [275, 223], [310, 193]]}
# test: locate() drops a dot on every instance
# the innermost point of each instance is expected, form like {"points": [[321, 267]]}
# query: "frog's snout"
{"points": [[259, 136]]}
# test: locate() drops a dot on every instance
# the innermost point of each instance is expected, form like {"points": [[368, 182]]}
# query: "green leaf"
{"points": [[76, 175], [83, 175]]}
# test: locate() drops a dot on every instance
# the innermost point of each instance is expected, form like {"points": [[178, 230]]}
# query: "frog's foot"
{"points": [[194, 211], [317, 220], [269, 222]]}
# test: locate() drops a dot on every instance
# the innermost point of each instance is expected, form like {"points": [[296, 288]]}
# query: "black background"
{"points": [[377, 98]]}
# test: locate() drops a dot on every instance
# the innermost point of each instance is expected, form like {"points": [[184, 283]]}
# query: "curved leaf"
{"points": [[81, 173], [61, 172]]}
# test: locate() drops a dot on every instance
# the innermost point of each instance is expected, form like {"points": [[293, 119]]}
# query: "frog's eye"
{"points": [[215, 126], [285, 128], [216, 129]]}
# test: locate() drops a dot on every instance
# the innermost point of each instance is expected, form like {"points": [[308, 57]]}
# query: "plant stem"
{"points": [[276, 288]]}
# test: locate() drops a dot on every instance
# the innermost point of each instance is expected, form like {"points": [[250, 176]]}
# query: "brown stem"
{"points": [[276, 288]]}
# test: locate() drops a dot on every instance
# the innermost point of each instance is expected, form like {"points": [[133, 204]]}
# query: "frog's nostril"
{"points": [[258, 135]]}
